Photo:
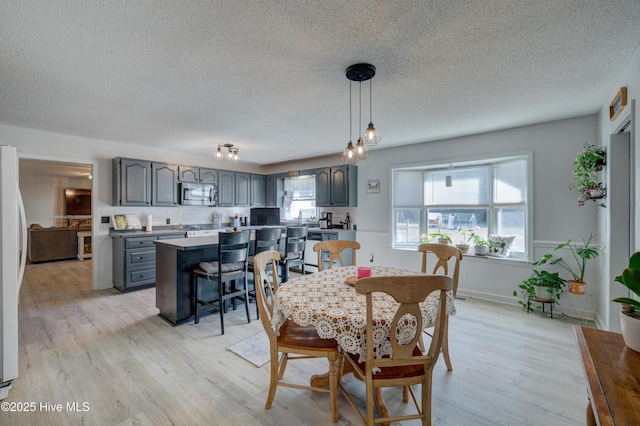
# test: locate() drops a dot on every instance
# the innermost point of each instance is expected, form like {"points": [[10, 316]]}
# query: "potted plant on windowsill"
{"points": [[480, 245], [630, 313], [586, 166], [442, 238], [465, 237], [576, 268]]}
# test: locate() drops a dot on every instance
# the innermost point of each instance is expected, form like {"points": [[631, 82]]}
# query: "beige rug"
{"points": [[254, 349]]}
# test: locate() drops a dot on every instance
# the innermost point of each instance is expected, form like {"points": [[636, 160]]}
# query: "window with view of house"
{"points": [[487, 197]]}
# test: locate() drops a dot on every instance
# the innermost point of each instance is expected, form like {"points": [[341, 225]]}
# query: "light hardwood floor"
{"points": [[112, 352]]}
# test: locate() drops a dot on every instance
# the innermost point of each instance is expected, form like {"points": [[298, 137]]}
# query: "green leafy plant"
{"points": [[586, 166], [551, 282], [480, 241], [630, 278], [580, 255], [465, 235], [438, 235]]}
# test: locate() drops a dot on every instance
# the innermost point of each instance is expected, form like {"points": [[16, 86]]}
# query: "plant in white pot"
{"points": [[480, 245], [465, 238], [576, 267], [630, 313]]}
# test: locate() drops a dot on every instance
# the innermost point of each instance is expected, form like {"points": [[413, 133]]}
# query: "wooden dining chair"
{"points": [[445, 255], [229, 268], [335, 248], [293, 254], [407, 365], [265, 239], [302, 342]]}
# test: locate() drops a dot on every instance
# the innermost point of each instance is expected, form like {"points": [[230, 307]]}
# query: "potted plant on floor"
{"points": [[541, 286], [465, 238], [575, 267], [480, 245], [630, 313], [586, 166]]}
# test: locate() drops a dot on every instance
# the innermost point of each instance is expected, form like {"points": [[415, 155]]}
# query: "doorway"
{"points": [[42, 182]]}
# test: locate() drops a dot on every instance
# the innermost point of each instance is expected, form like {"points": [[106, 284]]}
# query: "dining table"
{"points": [[327, 301]]}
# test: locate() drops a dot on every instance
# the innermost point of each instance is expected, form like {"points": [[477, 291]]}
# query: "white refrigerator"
{"points": [[12, 261]]}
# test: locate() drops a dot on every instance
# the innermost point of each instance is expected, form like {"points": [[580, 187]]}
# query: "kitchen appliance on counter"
{"points": [[198, 194], [265, 216], [326, 220]]}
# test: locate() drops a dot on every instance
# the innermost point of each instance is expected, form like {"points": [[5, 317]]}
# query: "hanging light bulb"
{"points": [[230, 154], [372, 137], [350, 156], [235, 156], [361, 150], [219, 153]]}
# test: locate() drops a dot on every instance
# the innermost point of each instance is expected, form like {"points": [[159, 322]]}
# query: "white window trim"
{"points": [[463, 161]]}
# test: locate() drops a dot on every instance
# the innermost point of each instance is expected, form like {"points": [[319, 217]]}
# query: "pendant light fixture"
{"points": [[371, 135], [349, 155], [232, 153], [361, 150], [359, 73], [447, 179]]}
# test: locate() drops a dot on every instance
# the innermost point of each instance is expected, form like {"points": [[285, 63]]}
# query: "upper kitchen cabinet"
{"points": [[337, 186], [257, 191], [271, 191], [197, 174], [164, 186], [131, 182], [227, 189], [243, 192]]}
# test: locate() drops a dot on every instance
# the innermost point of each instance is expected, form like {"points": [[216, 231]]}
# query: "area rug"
{"points": [[254, 349]]}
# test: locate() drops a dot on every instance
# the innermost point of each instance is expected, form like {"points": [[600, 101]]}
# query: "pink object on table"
{"points": [[364, 272]]}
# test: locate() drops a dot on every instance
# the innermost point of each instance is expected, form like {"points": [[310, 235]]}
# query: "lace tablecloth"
{"points": [[326, 302]]}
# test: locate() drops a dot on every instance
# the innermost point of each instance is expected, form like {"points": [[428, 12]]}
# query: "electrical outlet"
{"points": [[168, 221], [104, 219], [371, 258]]}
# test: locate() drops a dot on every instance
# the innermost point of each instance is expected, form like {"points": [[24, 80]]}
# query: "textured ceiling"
{"points": [[268, 76]]}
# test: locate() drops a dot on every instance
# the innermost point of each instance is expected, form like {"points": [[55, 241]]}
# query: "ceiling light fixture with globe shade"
{"points": [[351, 154], [232, 153]]}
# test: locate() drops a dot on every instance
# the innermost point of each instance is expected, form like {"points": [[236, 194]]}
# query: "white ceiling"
{"points": [[268, 76]]}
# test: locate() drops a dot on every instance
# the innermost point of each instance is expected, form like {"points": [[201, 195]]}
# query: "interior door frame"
{"points": [[94, 190]]}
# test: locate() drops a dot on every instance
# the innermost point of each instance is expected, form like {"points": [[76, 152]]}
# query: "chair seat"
{"points": [[387, 373], [289, 256], [294, 336], [212, 268]]}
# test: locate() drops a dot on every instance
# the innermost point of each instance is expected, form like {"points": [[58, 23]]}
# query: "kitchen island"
{"points": [[176, 260]]}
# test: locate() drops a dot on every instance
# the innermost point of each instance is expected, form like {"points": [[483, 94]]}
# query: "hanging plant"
{"points": [[586, 166]]}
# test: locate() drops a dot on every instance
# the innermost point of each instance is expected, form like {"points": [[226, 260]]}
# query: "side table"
{"points": [[84, 245]]}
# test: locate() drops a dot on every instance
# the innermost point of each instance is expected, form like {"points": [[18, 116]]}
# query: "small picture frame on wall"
{"points": [[618, 103], [373, 186]]}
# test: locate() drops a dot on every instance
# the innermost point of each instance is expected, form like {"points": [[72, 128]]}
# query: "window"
{"points": [[299, 197], [487, 197]]}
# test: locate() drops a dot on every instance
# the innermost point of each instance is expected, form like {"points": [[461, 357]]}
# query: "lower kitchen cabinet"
{"points": [[134, 260]]}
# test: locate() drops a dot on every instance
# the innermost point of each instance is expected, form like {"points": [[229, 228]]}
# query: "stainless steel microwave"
{"points": [[199, 194]]}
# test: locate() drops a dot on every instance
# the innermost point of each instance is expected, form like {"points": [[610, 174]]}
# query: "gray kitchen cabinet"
{"points": [[208, 175], [131, 182], [337, 186], [243, 189], [197, 174], [226, 189], [271, 190], [134, 260], [164, 179], [257, 190]]}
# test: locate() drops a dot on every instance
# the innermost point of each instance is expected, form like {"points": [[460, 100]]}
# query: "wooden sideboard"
{"points": [[613, 377]]}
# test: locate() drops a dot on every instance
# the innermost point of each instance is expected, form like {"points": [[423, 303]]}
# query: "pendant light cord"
{"points": [[370, 109], [350, 114]]}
